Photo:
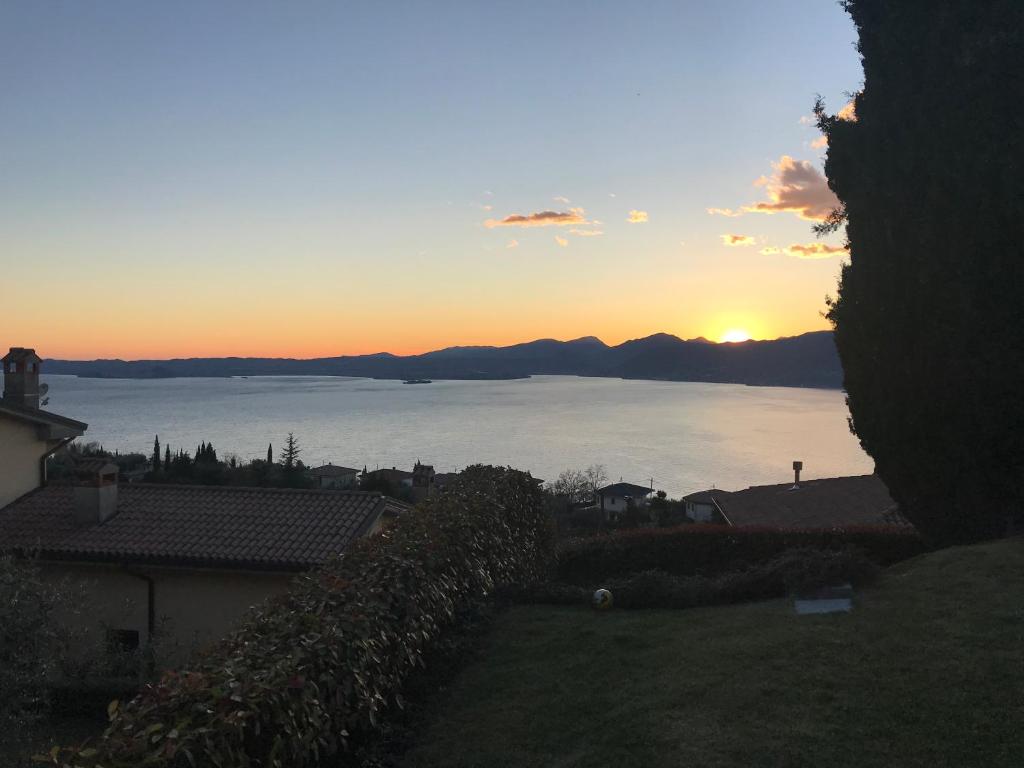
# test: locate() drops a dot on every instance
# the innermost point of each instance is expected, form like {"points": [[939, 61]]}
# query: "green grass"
{"points": [[927, 671]]}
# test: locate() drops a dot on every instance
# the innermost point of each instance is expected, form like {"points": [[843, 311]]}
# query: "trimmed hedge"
{"points": [[312, 672], [689, 550], [792, 572]]}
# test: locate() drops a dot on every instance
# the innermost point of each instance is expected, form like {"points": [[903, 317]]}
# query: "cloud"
{"points": [[724, 212], [637, 217], [795, 186], [564, 242], [512, 244], [562, 200], [540, 219], [806, 250], [848, 112], [820, 142], [737, 240], [586, 232]]}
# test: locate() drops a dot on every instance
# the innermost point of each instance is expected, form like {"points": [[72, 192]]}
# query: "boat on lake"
{"points": [[418, 381]]}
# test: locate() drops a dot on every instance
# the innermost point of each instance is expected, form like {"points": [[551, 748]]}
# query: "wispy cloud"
{"points": [[637, 217], [737, 240], [820, 143], [562, 241], [586, 232], [795, 186], [512, 244], [848, 112], [540, 219], [562, 200], [724, 212], [806, 250]]}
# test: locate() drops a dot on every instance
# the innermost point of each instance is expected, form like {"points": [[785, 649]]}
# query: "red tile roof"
{"points": [[833, 502], [264, 528]]}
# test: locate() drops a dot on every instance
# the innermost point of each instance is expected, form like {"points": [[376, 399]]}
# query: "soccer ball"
{"points": [[602, 600]]}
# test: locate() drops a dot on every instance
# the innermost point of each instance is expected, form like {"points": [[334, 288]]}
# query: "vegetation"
{"points": [[927, 319], [792, 572], [924, 672], [689, 550], [316, 670]]}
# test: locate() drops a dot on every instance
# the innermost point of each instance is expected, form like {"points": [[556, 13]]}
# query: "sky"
{"points": [[311, 179]]}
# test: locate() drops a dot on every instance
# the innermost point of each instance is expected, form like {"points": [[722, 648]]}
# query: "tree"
{"points": [[596, 477], [928, 320], [156, 453], [290, 453], [167, 459], [573, 485], [270, 454]]}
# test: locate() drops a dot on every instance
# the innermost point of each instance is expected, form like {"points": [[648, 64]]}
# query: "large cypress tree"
{"points": [[929, 318]]}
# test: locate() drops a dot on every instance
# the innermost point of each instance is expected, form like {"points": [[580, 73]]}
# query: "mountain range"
{"points": [[808, 360]]}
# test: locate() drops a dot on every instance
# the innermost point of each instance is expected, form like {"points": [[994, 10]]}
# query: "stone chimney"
{"points": [[797, 466], [21, 378], [95, 491]]}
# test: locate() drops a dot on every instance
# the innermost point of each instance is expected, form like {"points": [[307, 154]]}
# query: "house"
{"points": [[396, 478], [833, 502], [444, 480], [28, 434], [705, 506], [189, 560], [332, 476], [617, 498], [422, 481]]}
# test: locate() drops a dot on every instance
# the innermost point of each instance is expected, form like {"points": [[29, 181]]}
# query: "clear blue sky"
{"points": [[316, 178]]}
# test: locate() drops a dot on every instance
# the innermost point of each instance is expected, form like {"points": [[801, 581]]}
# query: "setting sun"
{"points": [[735, 334]]}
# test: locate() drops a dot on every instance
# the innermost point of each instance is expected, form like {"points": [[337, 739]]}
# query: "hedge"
{"points": [[312, 672], [708, 550]]}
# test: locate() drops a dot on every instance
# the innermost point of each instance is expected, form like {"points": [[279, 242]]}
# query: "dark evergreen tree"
{"points": [[270, 454], [290, 454], [156, 453], [167, 459], [929, 318]]}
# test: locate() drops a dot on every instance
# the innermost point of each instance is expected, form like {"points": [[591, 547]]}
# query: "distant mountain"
{"points": [[809, 360]]}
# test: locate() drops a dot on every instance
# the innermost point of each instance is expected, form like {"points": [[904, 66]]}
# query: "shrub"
{"points": [[313, 672], [790, 572], [689, 550]]}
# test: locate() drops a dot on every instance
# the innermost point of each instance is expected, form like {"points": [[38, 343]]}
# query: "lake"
{"points": [[686, 436]]}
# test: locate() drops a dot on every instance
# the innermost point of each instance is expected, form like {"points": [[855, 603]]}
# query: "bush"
{"points": [[788, 573], [689, 550], [313, 671]]}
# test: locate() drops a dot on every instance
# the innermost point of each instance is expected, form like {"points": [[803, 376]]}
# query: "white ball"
{"points": [[602, 600]]}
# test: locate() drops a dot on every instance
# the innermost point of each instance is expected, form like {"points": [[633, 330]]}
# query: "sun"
{"points": [[735, 334]]}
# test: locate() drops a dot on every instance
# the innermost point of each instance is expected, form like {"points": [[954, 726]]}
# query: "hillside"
{"points": [[925, 672], [808, 360]]}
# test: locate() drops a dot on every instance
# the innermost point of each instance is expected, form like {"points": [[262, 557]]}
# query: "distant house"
{"points": [[423, 481], [28, 434], [197, 556], [443, 480], [332, 476], [705, 506], [394, 477], [617, 498], [833, 502]]}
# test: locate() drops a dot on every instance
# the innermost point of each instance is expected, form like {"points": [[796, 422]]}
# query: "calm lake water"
{"points": [[687, 436]]}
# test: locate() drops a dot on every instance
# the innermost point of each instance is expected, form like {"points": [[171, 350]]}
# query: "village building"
{"points": [[28, 434], [189, 560], [332, 476], [833, 502], [617, 498]]}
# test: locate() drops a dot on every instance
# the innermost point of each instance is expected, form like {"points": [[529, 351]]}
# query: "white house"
{"points": [[332, 476], [617, 498], [28, 434]]}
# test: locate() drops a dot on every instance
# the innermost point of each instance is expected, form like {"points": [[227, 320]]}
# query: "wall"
{"points": [[193, 607], [20, 451]]}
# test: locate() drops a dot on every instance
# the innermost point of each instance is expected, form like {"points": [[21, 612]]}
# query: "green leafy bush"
{"points": [[790, 572], [314, 671], [689, 550]]}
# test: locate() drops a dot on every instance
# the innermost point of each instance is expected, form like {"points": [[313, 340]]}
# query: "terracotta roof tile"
{"points": [[279, 529]]}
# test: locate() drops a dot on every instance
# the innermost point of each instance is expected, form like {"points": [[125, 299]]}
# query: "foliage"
{"points": [[314, 671], [790, 572], [688, 550], [928, 319]]}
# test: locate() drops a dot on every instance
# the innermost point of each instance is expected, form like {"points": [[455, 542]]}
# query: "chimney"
{"points": [[95, 491], [21, 378], [797, 466]]}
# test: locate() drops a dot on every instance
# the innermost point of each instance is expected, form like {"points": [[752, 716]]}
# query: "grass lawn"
{"points": [[927, 671]]}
